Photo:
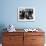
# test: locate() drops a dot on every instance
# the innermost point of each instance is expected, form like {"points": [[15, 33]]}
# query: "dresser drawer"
{"points": [[37, 44], [12, 39], [13, 44], [37, 39], [27, 39], [34, 33], [13, 33]]}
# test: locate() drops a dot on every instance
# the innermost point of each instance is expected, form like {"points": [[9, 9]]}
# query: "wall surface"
{"points": [[8, 13]]}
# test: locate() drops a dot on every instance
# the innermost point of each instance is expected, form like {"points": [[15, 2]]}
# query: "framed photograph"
{"points": [[26, 14]]}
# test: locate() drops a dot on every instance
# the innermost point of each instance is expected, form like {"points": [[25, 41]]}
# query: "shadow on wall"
{"points": [[2, 26]]}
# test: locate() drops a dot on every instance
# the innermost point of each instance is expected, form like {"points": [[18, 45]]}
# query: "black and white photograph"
{"points": [[26, 14]]}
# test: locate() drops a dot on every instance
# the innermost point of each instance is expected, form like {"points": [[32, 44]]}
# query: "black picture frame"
{"points": [[26, 14]]}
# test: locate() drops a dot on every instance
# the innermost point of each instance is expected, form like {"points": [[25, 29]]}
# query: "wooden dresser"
{"points": [[23, 39]]}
